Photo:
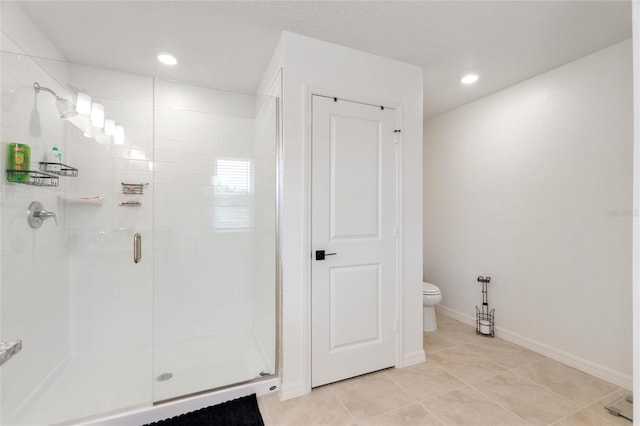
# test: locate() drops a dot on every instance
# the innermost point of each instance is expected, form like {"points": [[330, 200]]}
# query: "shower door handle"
{"points": [[137, 248]]}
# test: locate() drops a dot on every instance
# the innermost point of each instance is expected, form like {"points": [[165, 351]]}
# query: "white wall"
{"points": [[636, 203], [309, 65], [21, 35], [533, 187]]}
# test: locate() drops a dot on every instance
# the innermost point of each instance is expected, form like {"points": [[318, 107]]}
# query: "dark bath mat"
{"points": [[241, 411]]}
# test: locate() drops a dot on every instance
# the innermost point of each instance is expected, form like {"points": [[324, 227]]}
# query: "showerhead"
{"points": [[66, 108]]}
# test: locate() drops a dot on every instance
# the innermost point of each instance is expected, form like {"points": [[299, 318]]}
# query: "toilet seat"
{"points": [[430, 289]]}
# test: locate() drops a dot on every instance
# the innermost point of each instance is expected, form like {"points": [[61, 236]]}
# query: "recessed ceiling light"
{"points": [[167, 58], [469, 79]]}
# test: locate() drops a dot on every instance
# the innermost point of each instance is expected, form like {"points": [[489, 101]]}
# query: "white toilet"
{"points": [[431, 296]]}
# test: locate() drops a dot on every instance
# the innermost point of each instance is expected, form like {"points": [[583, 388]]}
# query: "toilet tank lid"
{"points": [[430, 288]]}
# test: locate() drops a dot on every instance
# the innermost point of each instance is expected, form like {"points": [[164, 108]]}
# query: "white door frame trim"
{"points": [[308, 93], [635, 11]]}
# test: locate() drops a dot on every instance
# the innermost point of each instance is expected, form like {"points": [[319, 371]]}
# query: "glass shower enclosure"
{"points": [[157, 276]]}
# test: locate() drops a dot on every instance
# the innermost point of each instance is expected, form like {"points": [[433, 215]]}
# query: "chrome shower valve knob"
{"points": [[36, 215]]}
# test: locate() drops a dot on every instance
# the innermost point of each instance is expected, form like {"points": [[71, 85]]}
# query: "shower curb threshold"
{"points": [[187, 404]]}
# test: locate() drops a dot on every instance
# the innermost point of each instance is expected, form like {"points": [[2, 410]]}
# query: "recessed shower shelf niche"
{"points": [[32, 177], [134, 188], [59, 169]]}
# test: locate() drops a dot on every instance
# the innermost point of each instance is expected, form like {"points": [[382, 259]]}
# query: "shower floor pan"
{"points": [[85, 387], [195, 365]]}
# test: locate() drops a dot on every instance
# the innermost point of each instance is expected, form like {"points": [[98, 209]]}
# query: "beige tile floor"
{"points": [[466, 380]]}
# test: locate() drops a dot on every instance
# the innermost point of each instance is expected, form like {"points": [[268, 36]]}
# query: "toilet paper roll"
{"points": [[485, 327]]}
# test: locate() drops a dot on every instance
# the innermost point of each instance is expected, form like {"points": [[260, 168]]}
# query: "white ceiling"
{"points": [[228, 44]]}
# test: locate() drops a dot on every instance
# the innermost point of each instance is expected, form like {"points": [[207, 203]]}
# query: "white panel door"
{"points": [[353, 216]]}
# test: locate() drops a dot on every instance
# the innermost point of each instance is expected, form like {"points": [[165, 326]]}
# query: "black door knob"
{"points": [[320, 254]]}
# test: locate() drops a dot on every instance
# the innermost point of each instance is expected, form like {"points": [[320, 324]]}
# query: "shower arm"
{"points": [[66, 108], [38, 88]]}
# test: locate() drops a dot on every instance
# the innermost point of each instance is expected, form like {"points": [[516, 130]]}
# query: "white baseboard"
{"points": [[572, 360], [456, 315], [413, 358], [290, 391]]}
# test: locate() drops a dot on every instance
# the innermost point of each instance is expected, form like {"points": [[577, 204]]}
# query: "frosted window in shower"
{"points": [[233, 194]]}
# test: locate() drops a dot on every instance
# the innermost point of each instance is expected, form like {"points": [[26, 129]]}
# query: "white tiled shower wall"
{"points": [[204, 276], [111, 296], [35, 294]]}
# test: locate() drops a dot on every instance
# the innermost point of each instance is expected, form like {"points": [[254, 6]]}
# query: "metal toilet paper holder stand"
{"points": [[485, 318]]}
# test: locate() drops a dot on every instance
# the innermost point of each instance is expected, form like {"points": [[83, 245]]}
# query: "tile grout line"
{"points": [[442, 422], [497, 402], [483, 359], [464, 381], [337, 395], [400, 408], [556, 393], [589, 405], [433, 396], [390, 377], [443, 349]]}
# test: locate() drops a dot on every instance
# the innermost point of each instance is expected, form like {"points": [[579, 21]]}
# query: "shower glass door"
{"points": [[70, 289], [157, 277], [215, 231]]}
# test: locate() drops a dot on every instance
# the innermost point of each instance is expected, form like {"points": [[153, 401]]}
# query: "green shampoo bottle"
{"points": [[18, 161]]}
